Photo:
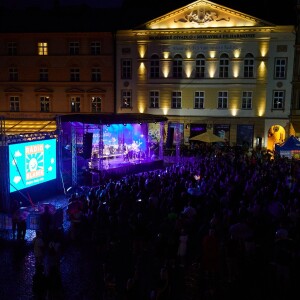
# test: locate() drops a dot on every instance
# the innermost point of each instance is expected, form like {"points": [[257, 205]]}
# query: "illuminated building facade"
{"points": [[206, 66], [46, 74]]}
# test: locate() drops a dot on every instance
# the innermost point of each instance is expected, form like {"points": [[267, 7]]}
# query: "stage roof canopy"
{"points": [[105, 118]]}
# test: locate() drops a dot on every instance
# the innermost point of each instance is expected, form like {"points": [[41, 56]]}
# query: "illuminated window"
{"points": [[280, 68], [247, 100], [154, 99], [224, 66], [199, 100], [95, 48], [177, 66], [43, 48], [96, 74], [12, 48], [96, 103], [45, 103], [278, 100], [14, 103], [75, 104], [154, 66], [200, 66], [126, 99], [249, 66], [126, 69], [13, 74], [176, 99], [43, 74], [223, 100], [74, 48], [74, 74]]}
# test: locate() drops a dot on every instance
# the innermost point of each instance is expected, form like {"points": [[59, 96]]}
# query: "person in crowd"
{"points": [[38, 248]]}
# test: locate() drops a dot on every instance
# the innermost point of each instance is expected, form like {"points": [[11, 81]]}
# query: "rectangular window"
{"points": [[45, 103], [75, 104], [280, 68], [154, 67], [75, 74], [126, 68], [223, 100], [126, 98], [14, 103], [95, 48], [96, 103], [278, 100], [42, 48], [176, 99], [13, 74], [96, 74], [74, 48], [12, 48], [247, 100], [154, 99], [43, 74], [199, 100]]}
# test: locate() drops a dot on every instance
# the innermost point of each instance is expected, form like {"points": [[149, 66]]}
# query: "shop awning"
{"points": [[17, 127]]}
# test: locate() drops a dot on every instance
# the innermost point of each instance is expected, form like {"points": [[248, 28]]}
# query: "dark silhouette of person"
{"points": [[21, 229], [46, 224]]}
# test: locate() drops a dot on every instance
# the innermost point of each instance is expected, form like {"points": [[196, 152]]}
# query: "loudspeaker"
{"points": [[87, 145], [170, 136]]}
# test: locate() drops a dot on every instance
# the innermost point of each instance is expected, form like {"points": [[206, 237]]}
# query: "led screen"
{"points": [[31, 163]]}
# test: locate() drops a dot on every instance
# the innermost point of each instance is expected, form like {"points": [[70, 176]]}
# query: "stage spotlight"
{"points": [[124, 124], [107, 125]]}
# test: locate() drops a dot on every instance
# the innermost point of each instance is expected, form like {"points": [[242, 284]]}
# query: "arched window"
{"points": [[200, 66], [249, 66], [177, 66], [154, 66], [224, 66]]}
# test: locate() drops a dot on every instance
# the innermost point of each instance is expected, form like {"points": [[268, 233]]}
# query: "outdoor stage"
{"points": [[114, 166]]}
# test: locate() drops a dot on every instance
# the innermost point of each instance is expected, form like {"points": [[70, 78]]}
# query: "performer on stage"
{"points": [[125, 152]]}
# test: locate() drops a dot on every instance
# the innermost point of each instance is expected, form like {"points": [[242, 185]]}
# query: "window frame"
{"points": [[75, 103], [96, 106], [280, 67], [247, 99], [44, 103], [154, 96], [200, 66], [126, 98], [14, 103], [224, 66], [176, 99], [278, 100], [42, 48], [249, 65], [154, 67], [74, 48], [177, 66], [199, 99], [222, 100], [126, 68]]}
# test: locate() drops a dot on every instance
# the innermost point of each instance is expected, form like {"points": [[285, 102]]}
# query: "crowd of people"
{"points": [[229, 218], [232, 215]]}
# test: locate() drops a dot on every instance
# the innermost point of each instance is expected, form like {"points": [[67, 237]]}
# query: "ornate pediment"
{"points": [[204, 14], [75, 91], [13, 90]]}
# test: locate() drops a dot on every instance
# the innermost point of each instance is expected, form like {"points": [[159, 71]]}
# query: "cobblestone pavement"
{"points": [[81, 269]]}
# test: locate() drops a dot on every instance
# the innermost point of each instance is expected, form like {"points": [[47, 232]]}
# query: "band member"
{"points": [[125, 152]]}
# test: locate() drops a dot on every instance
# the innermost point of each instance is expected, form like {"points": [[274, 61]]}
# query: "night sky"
{"points": [[138, 12]]}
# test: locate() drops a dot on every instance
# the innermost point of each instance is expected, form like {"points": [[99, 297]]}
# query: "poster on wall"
{"points": [[180, 130], [244, 136], [222, 130]]}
